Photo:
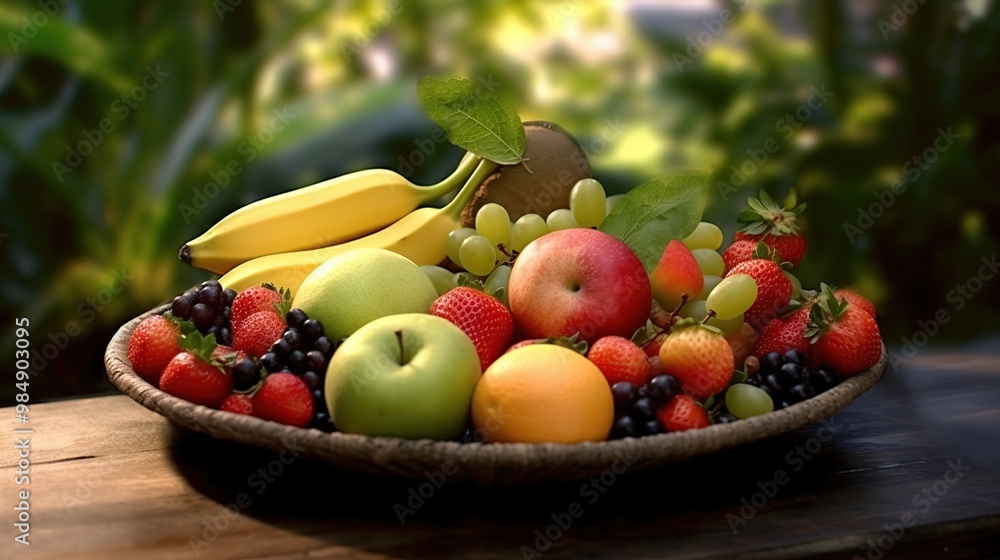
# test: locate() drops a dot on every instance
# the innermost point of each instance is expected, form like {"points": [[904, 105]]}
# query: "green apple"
{"points": [[353, 289], [409, 376]]}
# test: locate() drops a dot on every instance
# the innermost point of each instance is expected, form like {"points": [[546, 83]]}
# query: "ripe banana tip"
{"points": [[184, 254]]}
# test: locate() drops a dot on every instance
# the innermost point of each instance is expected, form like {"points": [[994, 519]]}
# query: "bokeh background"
{"points": [[118, 121]]}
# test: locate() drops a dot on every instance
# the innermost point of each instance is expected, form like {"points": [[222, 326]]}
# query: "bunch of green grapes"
{"points": [[730, 297]]}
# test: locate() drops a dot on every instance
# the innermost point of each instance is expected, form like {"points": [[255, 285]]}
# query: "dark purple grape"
{"points": [[662, 388], [281, 348], [211, 295], [219, 320], [798, 393], [324, 346], [790, 374], [318, 398], [312, 380], [203, 316], [653, 427], [246, 374], [644, 409], [820, 380], [295, 317], [315, 361], [793, 356], [293, 338], [782, 404], [212, 283], [297, 361], [225, 336], [623, 393], [311, 329], [228, 296], [772, 383], [772, 361], [642, 391], [271, 362], [323, 423], [623, 427], [181, 307], [724, 418]]}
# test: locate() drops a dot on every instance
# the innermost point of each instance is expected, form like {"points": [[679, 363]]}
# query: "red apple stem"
{"points": [[399, 338]]}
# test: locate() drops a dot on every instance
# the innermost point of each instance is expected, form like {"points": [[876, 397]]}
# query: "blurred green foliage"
{"points": [[646, 87]]}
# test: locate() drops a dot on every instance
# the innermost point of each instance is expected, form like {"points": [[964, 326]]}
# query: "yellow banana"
{"points": [[420, 236], [329, 212]]}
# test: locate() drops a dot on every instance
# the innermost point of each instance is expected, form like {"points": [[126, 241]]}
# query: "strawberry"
{"points": [[782, 335], [857, 300], [774, 290], [620, 359], [257, 299], [227, 357], [194, 375], [775, 226], [481, 317], [152, 345], [237, 403], [652, 348], [699, 357], [258, 332], [284, 398], [682, 413], [737, 252], [846, 338]]}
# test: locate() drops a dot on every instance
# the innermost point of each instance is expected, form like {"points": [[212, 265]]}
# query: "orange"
{"points": [[542, 393]]}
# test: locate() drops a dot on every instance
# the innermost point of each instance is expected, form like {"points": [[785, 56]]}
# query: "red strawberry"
{"points": [[257, 299], [738, 252], [258, 332], [652, 348], [699, 357], [682, 413], [194, 375], [481, 317], [774, 290], [227, 357], [782, 335], [619, 359], [237, 403], [152, 345], [776, 226], [284, 398], [848, 340], [857, 300]]}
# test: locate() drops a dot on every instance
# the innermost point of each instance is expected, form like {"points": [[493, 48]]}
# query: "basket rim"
{"points": [[383, 454]]}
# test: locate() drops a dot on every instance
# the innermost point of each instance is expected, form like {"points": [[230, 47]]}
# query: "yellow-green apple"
{"points": [[409, 376], [578, 281], [677, 273]]}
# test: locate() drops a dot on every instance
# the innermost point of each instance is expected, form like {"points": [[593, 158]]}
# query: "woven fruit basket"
{"points": [[477, 463]]}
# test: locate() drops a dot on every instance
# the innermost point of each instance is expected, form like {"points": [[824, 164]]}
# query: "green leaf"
{"points": [[658, 211], [476, 120]]}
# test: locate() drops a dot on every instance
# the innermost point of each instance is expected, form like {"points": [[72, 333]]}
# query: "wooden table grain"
{"points": [[910, 470]]}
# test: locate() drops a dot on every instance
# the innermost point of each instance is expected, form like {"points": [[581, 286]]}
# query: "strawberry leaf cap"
{"points": [[186, 327], [764, 216], [464, 281], [826, 310], [201, 346]]}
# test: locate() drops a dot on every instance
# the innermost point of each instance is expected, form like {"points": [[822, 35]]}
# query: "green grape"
{"points": [[561, 219], [694, 310], [587, 202], [478, 255], [710, 283], [733, 296], [455, 239], [493, 223], [727, 326], [709, 261], [496, 283], [698, 310], [705, 236], [744, 400], [527, 228], [442, 278], [796, 285], [610, 202]]}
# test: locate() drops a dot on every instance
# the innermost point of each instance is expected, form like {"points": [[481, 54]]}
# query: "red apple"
{"points": [[578, 281], [678, 273]]}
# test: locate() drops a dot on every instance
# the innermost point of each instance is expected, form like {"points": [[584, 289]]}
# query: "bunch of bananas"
{"points": [[283, 238]]}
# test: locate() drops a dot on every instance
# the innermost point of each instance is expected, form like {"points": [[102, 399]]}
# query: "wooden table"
{"points": [[112, 480]]}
